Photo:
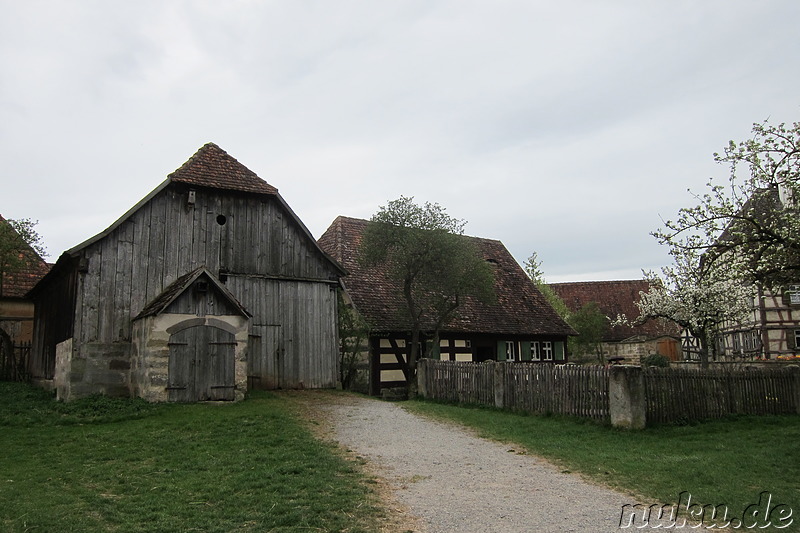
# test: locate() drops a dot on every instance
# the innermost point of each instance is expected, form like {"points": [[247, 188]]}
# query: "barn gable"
{"points": [[209, 296], [211, 221]]}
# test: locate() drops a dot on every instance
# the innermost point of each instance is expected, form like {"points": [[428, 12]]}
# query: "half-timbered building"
{"points": [[209, 285], [16, 310], [519, 325]]}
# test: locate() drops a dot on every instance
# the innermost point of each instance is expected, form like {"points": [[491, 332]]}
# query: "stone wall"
{"points": [[93, 368]]}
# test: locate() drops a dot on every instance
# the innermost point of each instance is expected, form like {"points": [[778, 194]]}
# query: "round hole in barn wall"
{"points": [[221, 220]]}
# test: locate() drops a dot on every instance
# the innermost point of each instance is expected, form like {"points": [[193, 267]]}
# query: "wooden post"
{"points": [[422, 378], [795, 384], [627, 402], [498, 383]]}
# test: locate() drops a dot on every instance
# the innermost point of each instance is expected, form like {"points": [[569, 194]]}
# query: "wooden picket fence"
{"points": [[14, 361], [680, 394], [671, 395], [557, 389], [531, 387]]}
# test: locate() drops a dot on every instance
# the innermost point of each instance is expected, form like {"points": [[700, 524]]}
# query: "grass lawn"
{"points": [[103, 464], [727, 461]]}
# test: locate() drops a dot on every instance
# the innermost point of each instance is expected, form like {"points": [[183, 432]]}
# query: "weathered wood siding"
{"points": [[274, 268], [53, 319], [293, 332], [165, 239]]}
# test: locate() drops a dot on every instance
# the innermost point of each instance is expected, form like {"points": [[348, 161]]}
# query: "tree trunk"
{"points": [[703, 337]]}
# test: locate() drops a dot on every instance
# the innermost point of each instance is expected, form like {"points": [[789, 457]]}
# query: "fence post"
{"points": [[422, 378], [795, 373], [499, 385], [627, 403]]}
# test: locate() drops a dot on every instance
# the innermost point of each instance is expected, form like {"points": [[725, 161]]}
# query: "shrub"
{"points": [[655, 359]]}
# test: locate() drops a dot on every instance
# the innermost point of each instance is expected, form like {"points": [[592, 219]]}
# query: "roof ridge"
{"points": [[213, 167]]}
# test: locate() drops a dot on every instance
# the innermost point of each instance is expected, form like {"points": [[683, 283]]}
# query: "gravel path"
{"points": [[456, 482]]}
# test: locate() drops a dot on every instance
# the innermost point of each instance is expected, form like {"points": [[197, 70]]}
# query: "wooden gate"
{"points": [[201, 365]]}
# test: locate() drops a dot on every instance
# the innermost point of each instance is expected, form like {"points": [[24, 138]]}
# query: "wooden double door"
{"points": [[202, 365]]}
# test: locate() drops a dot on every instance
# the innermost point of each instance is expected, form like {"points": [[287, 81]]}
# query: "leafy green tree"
{"points": [[353, 334], [592, 326], [533, 267], [753, 220], [18, 239], [423, 249]]}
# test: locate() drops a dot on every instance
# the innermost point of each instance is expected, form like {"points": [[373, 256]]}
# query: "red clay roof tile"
{"points": [[17, 284], [211, 166], [614, 298], [520, 309]]}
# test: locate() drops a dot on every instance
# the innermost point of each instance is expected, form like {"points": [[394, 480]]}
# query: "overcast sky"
{"points": [[568, 128]]}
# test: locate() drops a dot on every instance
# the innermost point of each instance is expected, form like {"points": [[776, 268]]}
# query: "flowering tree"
{"points": [[753, 221], [699, 296]]}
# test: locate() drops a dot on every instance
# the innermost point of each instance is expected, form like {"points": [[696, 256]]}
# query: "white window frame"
{"points": [[794, 294], [737, 342], [547, 350], [512, 349], [536, 353]]}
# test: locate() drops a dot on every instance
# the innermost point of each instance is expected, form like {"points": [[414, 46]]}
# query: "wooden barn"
{"points": [[519, 326], [209, 285]]}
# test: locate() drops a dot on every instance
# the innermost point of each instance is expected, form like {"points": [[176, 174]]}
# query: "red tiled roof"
{"points": [[211, 166], [16, 285], [614, 298], [519, 309]]}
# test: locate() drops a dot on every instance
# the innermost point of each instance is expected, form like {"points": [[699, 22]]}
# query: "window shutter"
{"points": [[501, 350], [791, 339], [558, 348], [525, 351]]}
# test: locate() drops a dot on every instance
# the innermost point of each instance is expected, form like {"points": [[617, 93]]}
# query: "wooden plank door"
{"points": [[265, 357], [201, 365], [221, 361]]}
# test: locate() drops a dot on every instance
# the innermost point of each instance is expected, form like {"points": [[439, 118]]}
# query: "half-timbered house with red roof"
{"points": [[209, 285], [519, 325], [16, 310], [772, 330]]}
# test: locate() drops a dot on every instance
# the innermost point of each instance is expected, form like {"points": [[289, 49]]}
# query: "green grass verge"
{"points": [[725, 461], [103, 464]]}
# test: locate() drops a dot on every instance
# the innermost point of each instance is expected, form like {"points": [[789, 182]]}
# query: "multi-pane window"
{"points": [[797, 339], [737, 344], [511, 351], [547, 351], [536, 355], [794, 294]]}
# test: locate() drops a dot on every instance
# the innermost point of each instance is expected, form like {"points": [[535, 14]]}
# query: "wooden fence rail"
{"points": [[670, 394]]}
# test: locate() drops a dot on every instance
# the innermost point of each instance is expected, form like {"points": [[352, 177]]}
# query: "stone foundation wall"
{"points": [[92, 368]]}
